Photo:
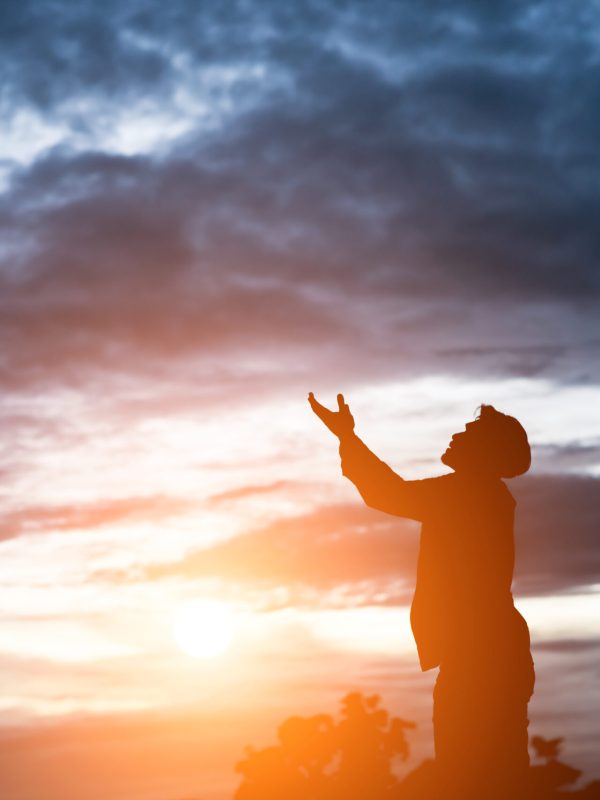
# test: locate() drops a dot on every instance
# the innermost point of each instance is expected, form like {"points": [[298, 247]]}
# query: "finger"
{"points": [[340, 399], [315, 405]]}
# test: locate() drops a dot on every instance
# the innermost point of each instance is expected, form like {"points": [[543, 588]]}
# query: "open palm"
{"points": [[339, 422]]}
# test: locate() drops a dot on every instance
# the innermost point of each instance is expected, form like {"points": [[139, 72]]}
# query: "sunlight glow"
{"points": [[204, 628]]}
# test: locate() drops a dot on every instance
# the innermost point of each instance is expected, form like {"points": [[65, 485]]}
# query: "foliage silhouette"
{"points": [[318, 758], [548, 778]]}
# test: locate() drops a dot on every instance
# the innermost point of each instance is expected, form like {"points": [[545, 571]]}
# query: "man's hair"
{"points": [[512, 454]]}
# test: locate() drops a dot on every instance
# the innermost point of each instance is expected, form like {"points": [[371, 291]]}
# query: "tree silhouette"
{"points": [[318, 758], [547, 748], [548, 778]]}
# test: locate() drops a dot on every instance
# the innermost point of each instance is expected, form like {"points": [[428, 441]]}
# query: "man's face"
{"points": [[467, 450]]}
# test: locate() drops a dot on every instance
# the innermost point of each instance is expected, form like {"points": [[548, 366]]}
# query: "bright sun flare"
{"points": [[204, 628]]}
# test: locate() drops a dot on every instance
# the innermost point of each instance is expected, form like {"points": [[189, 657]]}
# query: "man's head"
{"points": [[494, 444]]}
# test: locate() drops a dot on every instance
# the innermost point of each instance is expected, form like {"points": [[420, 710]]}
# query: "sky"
{"points": [[206, 211]]}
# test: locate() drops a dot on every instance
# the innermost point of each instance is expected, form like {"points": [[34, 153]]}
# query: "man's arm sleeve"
{"points": [[380, 487]]}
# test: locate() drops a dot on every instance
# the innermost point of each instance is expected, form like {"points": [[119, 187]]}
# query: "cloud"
{"points": [[103, 755], [243, 492], [558, 518], [409, 183], [53, 51], [42, 519], [573, 456], [332, 546], [373, 555], [569, 646]]}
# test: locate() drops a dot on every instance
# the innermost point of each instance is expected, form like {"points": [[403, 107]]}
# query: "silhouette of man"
{"points": [[462, 615]]}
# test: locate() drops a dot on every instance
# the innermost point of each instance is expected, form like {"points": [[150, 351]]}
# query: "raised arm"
{"points": [[379, 486]]}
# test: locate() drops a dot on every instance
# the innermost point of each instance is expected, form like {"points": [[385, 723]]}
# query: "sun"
{"points": [[204, 628]]}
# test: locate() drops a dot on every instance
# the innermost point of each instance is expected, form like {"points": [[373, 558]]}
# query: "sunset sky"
{"points": [[208, 210]]}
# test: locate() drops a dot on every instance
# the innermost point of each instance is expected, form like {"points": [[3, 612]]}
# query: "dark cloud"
{"points": [[55, 50], [558, 519], [569, 646], [571, 362], [576, 456], [410, 166], [556, 535]]}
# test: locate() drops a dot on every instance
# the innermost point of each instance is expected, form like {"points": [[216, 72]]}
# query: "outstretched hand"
{"points": [[340, 422]]}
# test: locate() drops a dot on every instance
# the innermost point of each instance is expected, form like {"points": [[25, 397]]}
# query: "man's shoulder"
{"points": [[440, 481], [437, 485]]}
